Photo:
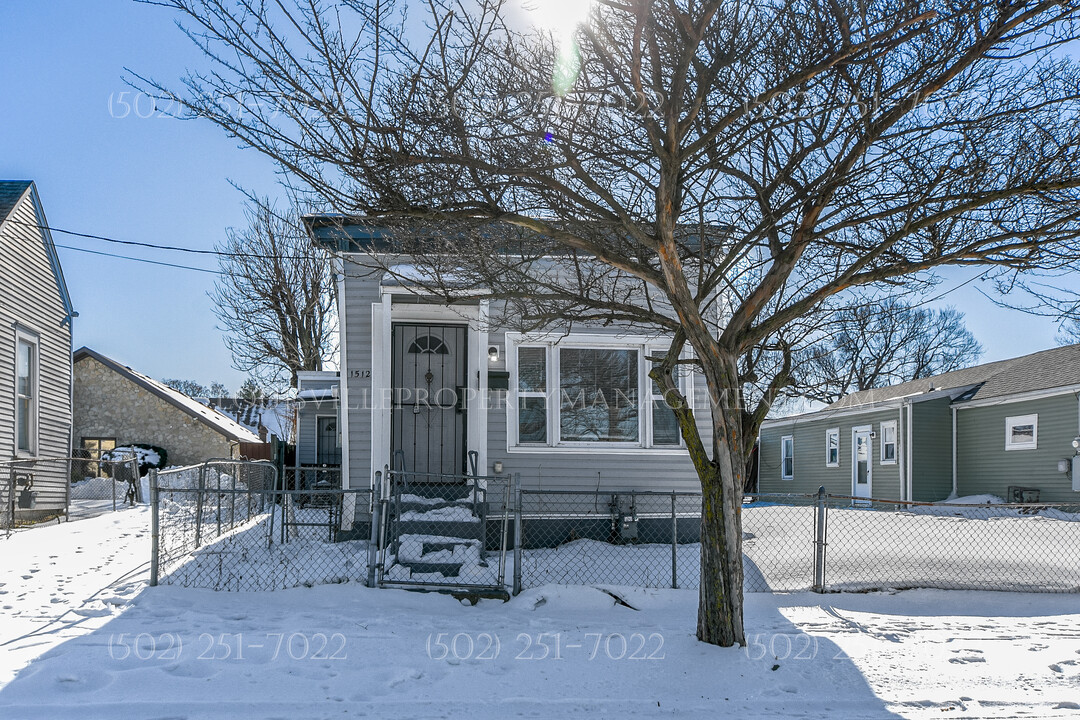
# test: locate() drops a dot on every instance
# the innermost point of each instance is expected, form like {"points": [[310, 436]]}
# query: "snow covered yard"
{"points": [[88, 639]]}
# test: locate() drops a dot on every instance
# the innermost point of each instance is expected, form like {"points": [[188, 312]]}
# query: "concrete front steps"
{"points": [[439, 537]]}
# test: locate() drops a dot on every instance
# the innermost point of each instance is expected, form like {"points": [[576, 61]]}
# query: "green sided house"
{"points": [[1005, 428]]}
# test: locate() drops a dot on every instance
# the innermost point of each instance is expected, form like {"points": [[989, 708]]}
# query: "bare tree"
{"points": [[720, 172], [874, 344], [275, 298], [194, 388]]}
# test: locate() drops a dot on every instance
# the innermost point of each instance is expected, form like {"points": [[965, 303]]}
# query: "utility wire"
{"points": [[193, 251], [135, 259]]}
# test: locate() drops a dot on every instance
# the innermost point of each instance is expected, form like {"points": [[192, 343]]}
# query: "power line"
{"points": [[153, 246], [135, 259]]}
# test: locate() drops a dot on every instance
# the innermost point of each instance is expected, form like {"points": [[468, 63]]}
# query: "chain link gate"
{"points": [[441, 532]]}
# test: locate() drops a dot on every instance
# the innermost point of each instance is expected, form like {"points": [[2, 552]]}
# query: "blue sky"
{"points": [[162, 180]]}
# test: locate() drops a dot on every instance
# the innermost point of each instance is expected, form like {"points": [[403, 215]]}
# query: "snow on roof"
{"points": [[224, 425], [318, 394], [276, 415]]}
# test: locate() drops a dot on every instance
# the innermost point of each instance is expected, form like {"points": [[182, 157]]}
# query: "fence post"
{"points": [[112, 479], [384, 521], [154, 528], [674, 544], [199, 505], [517, 534], [376, 523], [819, 542]]}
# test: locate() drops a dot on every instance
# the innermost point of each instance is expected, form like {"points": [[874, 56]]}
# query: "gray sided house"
{"points": [[436, 387], [318, 430], [35, 347], [115, 405], [1004, 428]]}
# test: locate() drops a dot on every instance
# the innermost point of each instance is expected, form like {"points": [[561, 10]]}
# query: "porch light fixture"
{"points": [[493, 356], [1076, 442]]}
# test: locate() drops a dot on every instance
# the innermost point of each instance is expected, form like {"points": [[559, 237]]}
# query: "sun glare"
{"points": [[561, 17]]}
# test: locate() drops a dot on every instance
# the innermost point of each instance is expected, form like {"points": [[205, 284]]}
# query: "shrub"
{"points": [[149, 456]]}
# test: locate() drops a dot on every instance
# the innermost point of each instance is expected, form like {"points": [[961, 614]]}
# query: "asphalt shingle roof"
{"points": [[1057, 367]]}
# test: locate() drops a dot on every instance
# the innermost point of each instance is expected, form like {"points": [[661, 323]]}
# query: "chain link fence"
{"points": [[795, 543], [645, 539], [103, 481], [887, 544], [35, 490], [234, 525]]}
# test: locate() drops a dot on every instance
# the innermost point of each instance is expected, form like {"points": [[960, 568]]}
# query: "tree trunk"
{"points": [[720, 606]]}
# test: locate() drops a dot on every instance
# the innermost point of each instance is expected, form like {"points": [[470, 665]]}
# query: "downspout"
{"points": [[954, 492], [908, 453], [903, 453]]}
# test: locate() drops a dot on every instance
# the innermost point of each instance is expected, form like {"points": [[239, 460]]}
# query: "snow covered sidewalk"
{"points": [[110, 647], [63, 581]]}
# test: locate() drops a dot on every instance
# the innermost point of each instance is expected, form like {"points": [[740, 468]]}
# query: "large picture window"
{"points": [[26, 387], [598, 395], [580, 393]]}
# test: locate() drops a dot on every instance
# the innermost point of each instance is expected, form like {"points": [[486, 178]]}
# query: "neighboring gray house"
{"points": [[115, 405], [994, 429], [35, 346], [318, 429], [429, 385]]}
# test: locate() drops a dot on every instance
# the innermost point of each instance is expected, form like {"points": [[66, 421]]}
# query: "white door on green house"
{"points": [[862, 467]]}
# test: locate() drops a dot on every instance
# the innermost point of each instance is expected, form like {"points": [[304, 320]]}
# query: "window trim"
{"points": [[26, 336], [785, 441], [1015, 420], [829, 434], [895, 443], [551, 342]]}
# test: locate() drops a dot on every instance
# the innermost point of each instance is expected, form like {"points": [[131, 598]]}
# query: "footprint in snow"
{"points": [[967, 659], [91, 612]]}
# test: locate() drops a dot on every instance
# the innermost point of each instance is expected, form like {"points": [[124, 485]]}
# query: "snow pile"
{"points": [[441, 514], [95, 488], [972, 500]]}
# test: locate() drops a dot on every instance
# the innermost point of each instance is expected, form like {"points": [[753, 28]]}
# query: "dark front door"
{"points": [[429, 380]]}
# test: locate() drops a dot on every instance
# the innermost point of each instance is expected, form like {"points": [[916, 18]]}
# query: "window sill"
{"points": [[832, 465], [593, 449]]}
